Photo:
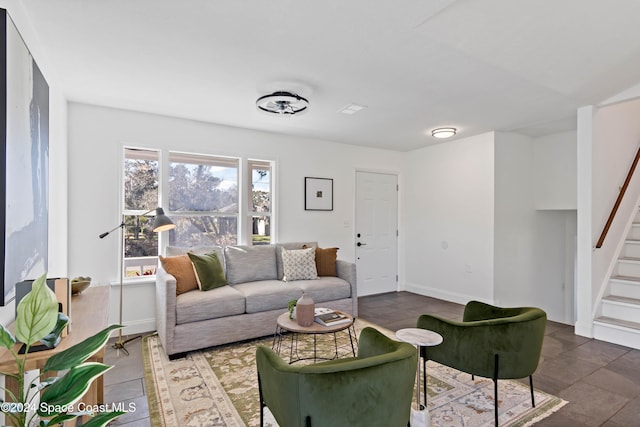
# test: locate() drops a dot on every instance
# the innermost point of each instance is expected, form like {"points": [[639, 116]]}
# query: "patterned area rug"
{"points": [[218, 387]]}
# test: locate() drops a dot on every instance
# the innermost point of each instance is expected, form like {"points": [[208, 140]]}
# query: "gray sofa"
{"points": [[251, 302]]}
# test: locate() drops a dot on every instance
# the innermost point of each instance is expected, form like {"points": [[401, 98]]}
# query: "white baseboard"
{"points": [[443, 295], [584, 329], [139, 327]]}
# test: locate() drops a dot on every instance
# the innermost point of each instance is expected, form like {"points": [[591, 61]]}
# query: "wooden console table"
{"points": [[89, 315]]}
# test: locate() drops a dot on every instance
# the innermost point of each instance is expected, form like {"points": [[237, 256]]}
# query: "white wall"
{"points": [[96, 137], [584, 151], [447, 216], [514, 219], [555, 171], [57, 252], [534, 249]]}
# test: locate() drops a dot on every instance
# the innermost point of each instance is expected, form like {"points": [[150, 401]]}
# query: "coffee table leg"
{"points": [[293, 335], [351, 338], [277, 340], [315, 349]]}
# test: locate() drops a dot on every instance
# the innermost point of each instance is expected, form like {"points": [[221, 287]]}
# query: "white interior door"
{"points": [[376, 232]]}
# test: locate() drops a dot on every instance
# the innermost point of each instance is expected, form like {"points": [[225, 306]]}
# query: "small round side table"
{"points": [[420, 338]]}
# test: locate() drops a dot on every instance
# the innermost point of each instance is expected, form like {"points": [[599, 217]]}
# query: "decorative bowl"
{"points": [[79, 284]]}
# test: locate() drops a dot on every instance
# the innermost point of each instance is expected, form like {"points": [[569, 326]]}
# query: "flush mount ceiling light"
{"points": [[282, 103], [443, 132]]}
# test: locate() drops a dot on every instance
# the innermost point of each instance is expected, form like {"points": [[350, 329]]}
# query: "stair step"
{"points": [[622, 300], [631, 246], [628, 266], [610, 321], [626, 279]]}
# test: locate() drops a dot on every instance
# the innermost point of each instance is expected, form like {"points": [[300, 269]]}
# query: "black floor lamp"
{"points": [[161, 223]]}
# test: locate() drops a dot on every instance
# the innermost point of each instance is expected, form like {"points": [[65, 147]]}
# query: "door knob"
{"points": [[361, 244]]}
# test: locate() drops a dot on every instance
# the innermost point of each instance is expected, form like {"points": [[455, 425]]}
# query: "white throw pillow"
{"points": [[299, 264]]}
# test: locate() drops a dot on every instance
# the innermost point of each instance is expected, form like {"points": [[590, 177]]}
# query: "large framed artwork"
{"points": [[24, 141]]}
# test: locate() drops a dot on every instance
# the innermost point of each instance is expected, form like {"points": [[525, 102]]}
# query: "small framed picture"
{"points": [[318, 194]]}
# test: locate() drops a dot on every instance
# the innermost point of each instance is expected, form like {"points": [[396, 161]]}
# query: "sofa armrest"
{"points": [[165, 308], [347, 270]]}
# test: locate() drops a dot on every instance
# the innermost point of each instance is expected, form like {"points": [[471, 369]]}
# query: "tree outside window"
{"points": [[141, 172], [203, 200], [260, 202]]}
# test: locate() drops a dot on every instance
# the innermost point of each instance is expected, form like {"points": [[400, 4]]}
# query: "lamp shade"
{"points": [[162, 222]]}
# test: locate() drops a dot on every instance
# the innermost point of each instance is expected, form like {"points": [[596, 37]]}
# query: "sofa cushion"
{"points": [[198, 250], [180, 267], [250, 263], [299, 264], [326, 261], [324, 289], [268, 294], [208, 270], [290, 245], [219, 302]]}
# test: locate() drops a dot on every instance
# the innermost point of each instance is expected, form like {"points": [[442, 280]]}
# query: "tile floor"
{"points": [[601, 381]]}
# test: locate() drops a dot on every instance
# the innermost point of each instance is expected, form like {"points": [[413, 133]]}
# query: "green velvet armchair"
{"points": [[373, 389], [491, 342]]}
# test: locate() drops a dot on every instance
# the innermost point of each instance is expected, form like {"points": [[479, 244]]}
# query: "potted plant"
{"points": [[291, 305], [37, 316]]}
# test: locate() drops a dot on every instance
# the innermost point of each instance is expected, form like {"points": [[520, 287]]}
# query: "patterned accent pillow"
{"points": [[299, 264]]}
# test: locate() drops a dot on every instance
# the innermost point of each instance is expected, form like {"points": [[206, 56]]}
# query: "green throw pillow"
{"points": [[208, 269]]}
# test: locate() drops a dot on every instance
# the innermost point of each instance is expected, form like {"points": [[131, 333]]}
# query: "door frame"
{"points": [[400, 286]]}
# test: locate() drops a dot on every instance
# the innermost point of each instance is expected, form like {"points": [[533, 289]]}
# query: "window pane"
{"points": [[261, 234], [201, 184], [139, 238], [140, 179], [260, 188], [204, 231]]}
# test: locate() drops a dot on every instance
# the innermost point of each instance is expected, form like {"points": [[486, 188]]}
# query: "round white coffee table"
{"points": [[420, 338]]}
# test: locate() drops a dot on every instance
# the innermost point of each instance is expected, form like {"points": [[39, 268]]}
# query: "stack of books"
{"points": [[328, 317]]}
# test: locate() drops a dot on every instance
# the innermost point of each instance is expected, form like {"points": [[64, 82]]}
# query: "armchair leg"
{"points": [[262, 405], [495, 389], [308, 421], [533, 401]]}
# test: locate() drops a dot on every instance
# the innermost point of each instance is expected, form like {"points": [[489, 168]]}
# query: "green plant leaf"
{"points": [[37, 313], [53, 338], [70, 388], [79, 352], [58, 419], [102, 419], [7, 340], [44, 382]]}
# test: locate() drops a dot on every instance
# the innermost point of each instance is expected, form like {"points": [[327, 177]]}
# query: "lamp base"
{"points": [[120, 345]]}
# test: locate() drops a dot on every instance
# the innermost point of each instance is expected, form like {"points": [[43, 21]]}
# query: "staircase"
{"points": [[619, 319]]}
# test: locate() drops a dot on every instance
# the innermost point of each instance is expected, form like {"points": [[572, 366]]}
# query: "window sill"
{"points": [[131, 281]]}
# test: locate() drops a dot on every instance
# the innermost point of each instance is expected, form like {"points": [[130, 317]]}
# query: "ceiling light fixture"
{"points": [[443, 132], [282, 103]]}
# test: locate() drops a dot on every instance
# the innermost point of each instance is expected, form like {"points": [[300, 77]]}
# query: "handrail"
{"points": [[618, 200]]}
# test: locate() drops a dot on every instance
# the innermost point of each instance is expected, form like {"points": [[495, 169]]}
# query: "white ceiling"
{"points": [[477, 65]]}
